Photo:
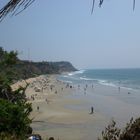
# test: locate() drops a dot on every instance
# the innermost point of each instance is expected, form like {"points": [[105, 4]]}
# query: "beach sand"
{"points": [[64, 113]]}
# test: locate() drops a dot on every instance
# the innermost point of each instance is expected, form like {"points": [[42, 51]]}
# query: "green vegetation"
{"points": [[7, 61], [14, 69], [26, 69], [14, 110], [130, 132]]}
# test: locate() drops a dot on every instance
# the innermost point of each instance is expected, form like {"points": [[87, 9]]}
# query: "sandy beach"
{"points": [[63, 111]]}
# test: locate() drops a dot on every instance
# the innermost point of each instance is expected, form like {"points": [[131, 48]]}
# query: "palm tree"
{"points": [[17, 6]]}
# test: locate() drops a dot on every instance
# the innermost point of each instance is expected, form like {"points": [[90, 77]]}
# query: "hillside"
{"points": [[24, 69], [28, 69]]}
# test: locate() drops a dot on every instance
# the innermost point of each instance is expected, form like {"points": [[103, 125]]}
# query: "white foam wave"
{"points": [[128, 88], [69, 77], [106, 83], [65, 76], [80, 71], [70, 74], [87, 79], [68, 82], [76, 72]]}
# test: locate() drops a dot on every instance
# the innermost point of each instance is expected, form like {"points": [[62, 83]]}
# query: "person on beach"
{"points": [[47, 101], [37, 108], [67, 85], [51, 88], [78, 86], [84, 89], [42, 89], [119, 89], [32, 97], [92, 110]]}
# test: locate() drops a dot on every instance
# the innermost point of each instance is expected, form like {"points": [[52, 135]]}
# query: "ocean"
{"points": [[124, 78], [102, 92], [105, 91]]}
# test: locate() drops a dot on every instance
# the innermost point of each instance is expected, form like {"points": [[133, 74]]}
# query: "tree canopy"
{"points": [[14, 109]]}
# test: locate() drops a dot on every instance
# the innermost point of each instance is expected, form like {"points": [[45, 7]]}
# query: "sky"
{"points": [[65, 30]]}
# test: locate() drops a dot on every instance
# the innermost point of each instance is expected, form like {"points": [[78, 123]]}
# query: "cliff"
{"points": [[11, 65], [28, 69]]}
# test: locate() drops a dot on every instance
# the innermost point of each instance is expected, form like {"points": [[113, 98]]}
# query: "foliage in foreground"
{"points": [[14, 110], [131, 131], [17, 6]]}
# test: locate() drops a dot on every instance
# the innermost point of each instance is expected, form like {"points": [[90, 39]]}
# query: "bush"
{"points": [[14, 110], [130, 132]]}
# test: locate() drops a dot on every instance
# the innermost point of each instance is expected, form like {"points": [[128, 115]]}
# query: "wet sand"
{"points": [[64, 112]]}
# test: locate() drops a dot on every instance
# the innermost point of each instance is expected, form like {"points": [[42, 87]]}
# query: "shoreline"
{"points": [[57, 114], [65, 114]]}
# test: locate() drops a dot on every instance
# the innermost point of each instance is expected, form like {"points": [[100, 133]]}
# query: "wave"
{"points": [[65, 76], [103, 79], [70, 74], [87, 79], [106, 83], [76, 72], [102, 82], [111, 84], [70, 82]]}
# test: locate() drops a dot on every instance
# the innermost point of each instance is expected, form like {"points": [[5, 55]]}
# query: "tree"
{"points": [[15, 6], [7, 61], [13, 119], [14, 109]]}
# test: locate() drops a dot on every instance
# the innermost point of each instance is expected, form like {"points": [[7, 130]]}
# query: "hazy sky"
{"points": [[65, 30]]}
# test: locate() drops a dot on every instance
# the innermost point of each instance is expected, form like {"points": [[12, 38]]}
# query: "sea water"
{"points": [[107, 83], [126, 78], [104, 96]]}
